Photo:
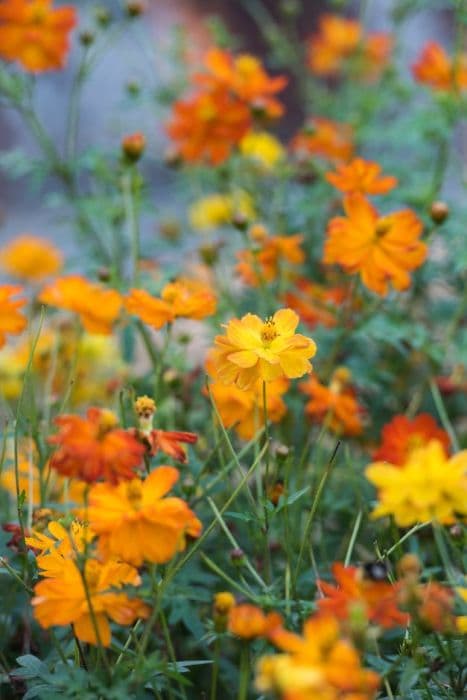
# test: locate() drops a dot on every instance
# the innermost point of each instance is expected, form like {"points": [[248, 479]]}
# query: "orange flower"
{"points": [[253, 349], [62, 600], [30, 258], [361, 176], [97, 307], [245, 77], [63, 544], [168, 442], [377, 49], [383, 249], [136, 524], [402, 435], [94, 448], [436, 69], [265, 264], [11, 320], [207, 126], [336, 405], [337, 38], [315, 303], [155, 312], [326, 139], [35, 34], [376, 600], [249, 621]]}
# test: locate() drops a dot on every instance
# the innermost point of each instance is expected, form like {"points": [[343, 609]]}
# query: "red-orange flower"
{"points": [[97, 307], [94, 447], [248, 621], [316, 303], [335, 405], [12, 320], [436, 69], [402, 435], [266, 263], [169, 442], [324, 138], [362, 176], [35, 34], [336, 39], [377, 601], [383, 249]]}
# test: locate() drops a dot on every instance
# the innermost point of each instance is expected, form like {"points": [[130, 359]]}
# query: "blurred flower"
{"points": [[133, 146], [248, 621], [94, 447], [382, 249], [215, 210], [361, 176], [402, 435], [318, 665], [57, 546], [12, 321], [428, 486], [254, 349], [155, 312], [30, 258], [268, 261], [376, 54], [335, 405], [222, 603], [336, 39], [136, 524], [316, 304], [170, 442], [263, 149], [436, 69], [97, 307], [324, 138], [63, 600], [35, 34], [357, 596]]}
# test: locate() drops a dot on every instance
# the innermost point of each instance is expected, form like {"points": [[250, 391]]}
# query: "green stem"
{"points": [[215, 669], [446, 423], [244, 680]]}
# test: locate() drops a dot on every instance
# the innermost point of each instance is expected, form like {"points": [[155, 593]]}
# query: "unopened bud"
{"points": [[86, 38], [133, 146], [237, 557], [170, 229], [439, 212], [103, 16], [409, 568]]}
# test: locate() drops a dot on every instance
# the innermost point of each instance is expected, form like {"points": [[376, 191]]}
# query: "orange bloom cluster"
{"points": [[267, 263], [183, 298], [30, 258], [383, 249], [95, 448], [325, 139], [339, 39], [135, 523], [231, 91], [35, 34], [248, 621], [316, 304], [355, 595], [98, 308], [436, 69], [361, 176], [335, 405], [402, 435], [319, 664], [12, 321]]}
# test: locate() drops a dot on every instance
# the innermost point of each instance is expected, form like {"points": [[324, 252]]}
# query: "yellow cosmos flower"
{"points": [[262, 148], [429, 486], [31, 258], [219, 209], [254, 349]]}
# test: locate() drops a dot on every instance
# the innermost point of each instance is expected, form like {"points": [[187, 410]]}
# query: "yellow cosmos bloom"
{"points": [[31, 258], [219, 209], [254, 349], [262, 148], [429, 486]]}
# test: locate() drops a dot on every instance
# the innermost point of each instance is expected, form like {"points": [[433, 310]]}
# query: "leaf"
{"points": [[31, 667]]}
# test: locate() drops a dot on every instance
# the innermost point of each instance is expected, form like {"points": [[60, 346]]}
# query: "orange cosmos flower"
{"points": [[245, 77], [35, 34], [336, 39], [335, 405], [30, 258], [136, 524], [62, 600], [12, 322], [361, 176], [402, 435], [207, 126], [376, 600], [155, 312], [253, 349], [324, 138], [436, 69], [376, 53], [248, 621], [189, 298], [62, 545], [383, 249], [266, 263], [97, 307], [94, 447], [315, 303]]}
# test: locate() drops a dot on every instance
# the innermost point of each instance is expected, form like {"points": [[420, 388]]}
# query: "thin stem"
{"points": [[446, 423], [244, 673], [215, 669]]}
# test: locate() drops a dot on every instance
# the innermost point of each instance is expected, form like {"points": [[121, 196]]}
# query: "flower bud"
{"points": [[222, 604], [86, 38], [439, 212], [133, 146], [135, 8], [409, 568], [103, 16], [237, 557], [145, 408]]}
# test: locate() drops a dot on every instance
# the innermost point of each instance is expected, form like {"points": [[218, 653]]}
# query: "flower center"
{"points": [[134, 493], [38, 14], [107, 421], [268, 332], [382, 227]]}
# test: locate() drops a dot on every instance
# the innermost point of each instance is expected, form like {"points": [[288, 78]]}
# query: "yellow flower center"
{"points": [[414, 442], [382, 227], [38, 14], [134, 493], [268, 332]]}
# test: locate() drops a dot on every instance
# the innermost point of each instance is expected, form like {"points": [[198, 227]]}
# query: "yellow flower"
{"points": [[31, 258], [219, 209], [262, 148], [254, 349], [429, 486]]}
